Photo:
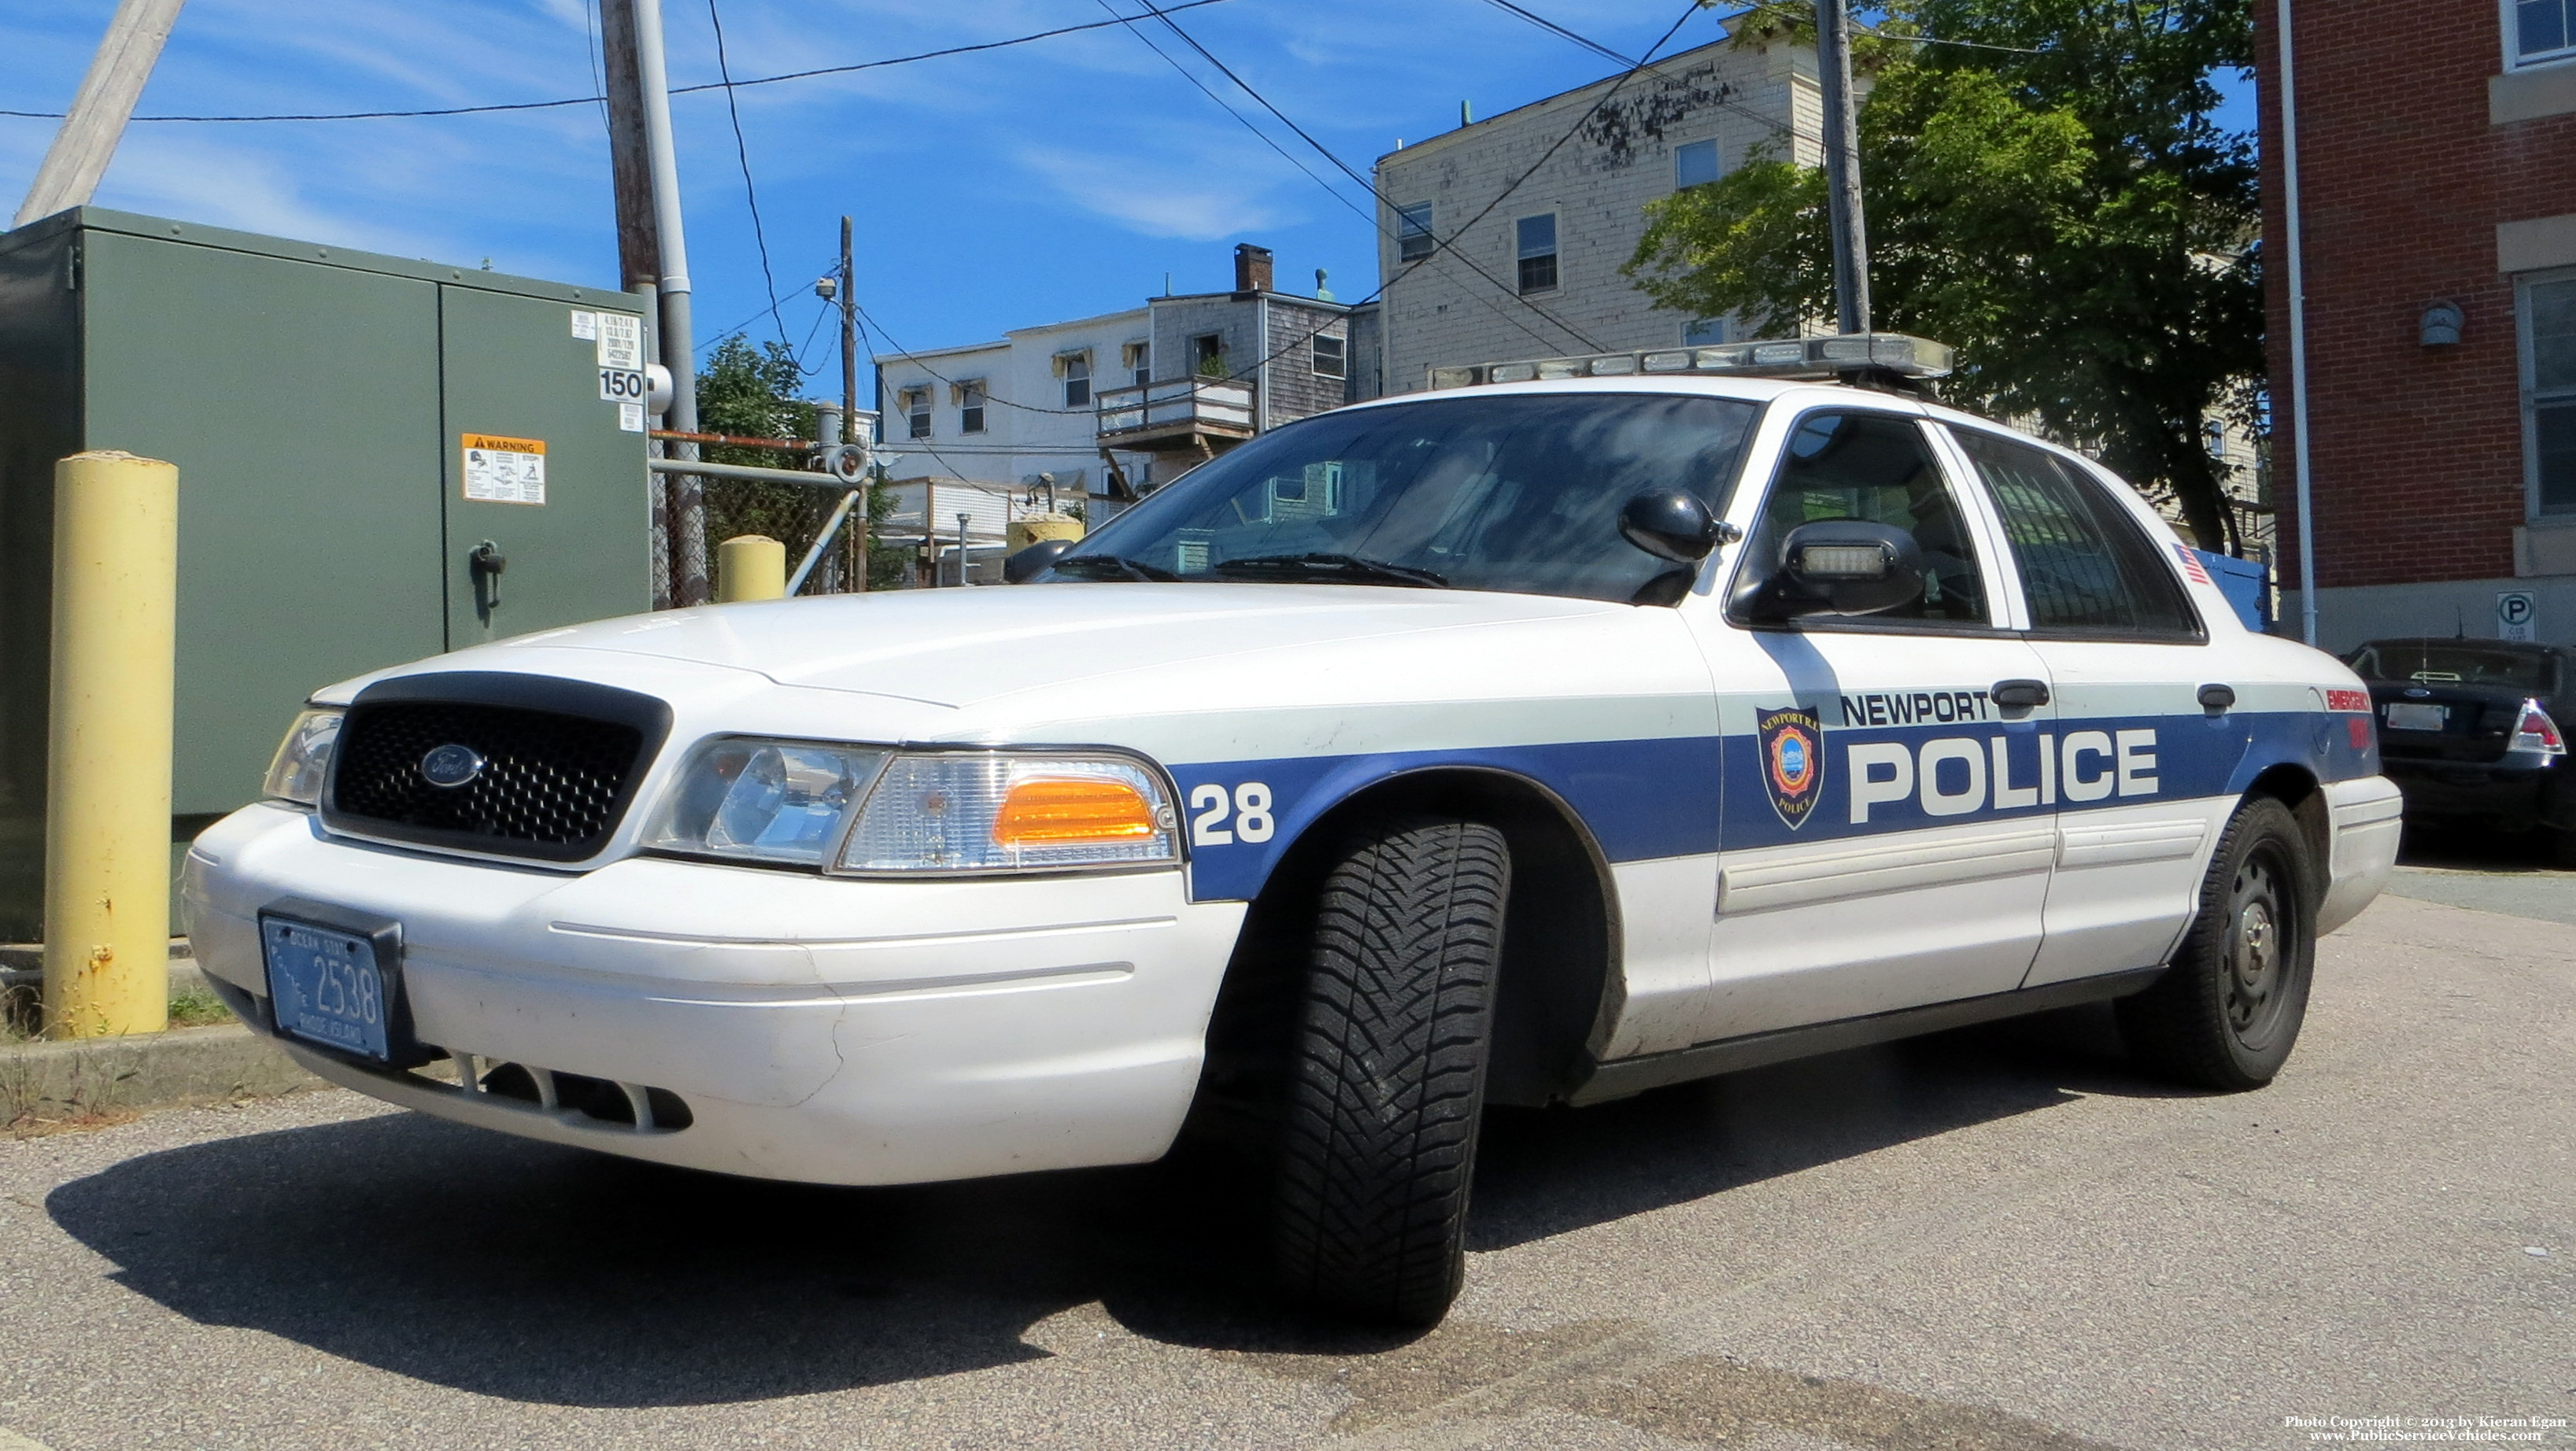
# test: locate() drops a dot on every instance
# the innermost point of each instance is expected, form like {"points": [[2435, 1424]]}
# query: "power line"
{"points": [[837, 70], [750, 195], [1569, 329], [1724, 102], [1329, 190]]}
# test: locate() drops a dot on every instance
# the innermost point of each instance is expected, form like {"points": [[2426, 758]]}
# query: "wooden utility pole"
{"points": [[639, 250], [1842, 167], [69, 174], [850, 400]]}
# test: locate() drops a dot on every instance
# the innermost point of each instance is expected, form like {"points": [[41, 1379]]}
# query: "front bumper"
{"points": [[2523, 789], [829, 1031]]}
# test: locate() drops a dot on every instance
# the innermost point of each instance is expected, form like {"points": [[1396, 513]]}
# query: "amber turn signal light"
{"points": [[1056, 810]]}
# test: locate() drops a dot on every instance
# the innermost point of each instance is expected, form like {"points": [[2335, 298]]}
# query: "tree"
{"points": [[2047, 193], [750, 392]]}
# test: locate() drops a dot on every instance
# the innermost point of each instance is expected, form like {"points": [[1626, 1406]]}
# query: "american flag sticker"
{"points": [[2191, 564]]}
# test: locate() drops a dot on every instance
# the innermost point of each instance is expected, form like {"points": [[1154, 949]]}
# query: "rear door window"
{"points": [[2087, 569]]}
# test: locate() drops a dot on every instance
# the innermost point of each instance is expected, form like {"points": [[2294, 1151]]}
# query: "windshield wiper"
{"points": [[1111, 566], [1349, 568]]}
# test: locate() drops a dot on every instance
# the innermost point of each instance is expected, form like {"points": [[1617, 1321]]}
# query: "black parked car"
{"points": [[2469, 730]]}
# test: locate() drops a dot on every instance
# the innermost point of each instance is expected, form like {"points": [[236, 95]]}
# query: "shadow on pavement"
{"points": [[534, 1273]]}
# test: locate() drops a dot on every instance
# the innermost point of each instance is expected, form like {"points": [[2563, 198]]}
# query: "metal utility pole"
{"points": [[688, 506], [69, 174], [1842, 167], [850, 397]]}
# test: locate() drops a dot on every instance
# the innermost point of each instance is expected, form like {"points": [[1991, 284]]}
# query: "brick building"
{"points": [[2436, 157]]}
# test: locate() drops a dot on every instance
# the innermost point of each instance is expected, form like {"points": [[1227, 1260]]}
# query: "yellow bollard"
{"points": [[107, 805], [750, 567], [1039, 528]]}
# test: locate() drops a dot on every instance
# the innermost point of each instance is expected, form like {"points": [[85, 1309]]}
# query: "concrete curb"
{"points": [[88, 1077]]}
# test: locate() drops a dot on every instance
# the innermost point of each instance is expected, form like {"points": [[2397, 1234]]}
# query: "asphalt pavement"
{"points": [[2000, 1238]]}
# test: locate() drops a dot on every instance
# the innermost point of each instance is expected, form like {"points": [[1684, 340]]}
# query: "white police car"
{"points": [[1526, 743]]}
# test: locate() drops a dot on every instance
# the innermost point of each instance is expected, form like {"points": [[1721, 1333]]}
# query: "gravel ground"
{"points": [[2000, 1238]]}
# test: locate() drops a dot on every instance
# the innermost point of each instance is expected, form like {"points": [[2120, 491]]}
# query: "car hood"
{"points": [[962, 647]]}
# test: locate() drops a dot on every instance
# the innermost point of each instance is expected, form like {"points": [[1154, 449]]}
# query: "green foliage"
{"points": [[750, 392], [2071, 220]]}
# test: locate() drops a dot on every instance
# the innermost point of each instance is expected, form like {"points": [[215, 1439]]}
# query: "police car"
{"points": [[1594, 725]]}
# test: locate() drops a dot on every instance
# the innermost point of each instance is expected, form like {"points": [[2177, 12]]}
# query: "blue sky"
{"points": [[1041, 182]]}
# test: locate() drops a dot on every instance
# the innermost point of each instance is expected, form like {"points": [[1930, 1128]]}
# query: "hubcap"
{"points": [[2254, 951]]}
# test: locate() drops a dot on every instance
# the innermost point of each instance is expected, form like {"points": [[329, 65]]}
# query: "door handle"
{"points": [[2217, 698], [487, 562], [2019, 694]]}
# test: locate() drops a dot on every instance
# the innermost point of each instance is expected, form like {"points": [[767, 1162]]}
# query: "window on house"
{"points": [[2549, 391], [1413, 232], [1139, 358], [1207, 355], [970, 407], [2540, 30], [1077, 380], [1694, 162], [1703, 332], [1538, 253], [1332, 356], [916, 411]]}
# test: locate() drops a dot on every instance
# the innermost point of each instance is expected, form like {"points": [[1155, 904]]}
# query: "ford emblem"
{"points": [[451, 766], [2417, 691]]}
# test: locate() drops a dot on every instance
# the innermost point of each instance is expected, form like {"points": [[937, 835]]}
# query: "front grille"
{"points": [[553, 782]]}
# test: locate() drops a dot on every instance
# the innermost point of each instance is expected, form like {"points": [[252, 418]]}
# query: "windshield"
{"points": [[2442, 662], [1512, 493]]}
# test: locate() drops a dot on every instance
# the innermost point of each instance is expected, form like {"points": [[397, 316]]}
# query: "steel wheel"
{"points": [[2256, 953]]}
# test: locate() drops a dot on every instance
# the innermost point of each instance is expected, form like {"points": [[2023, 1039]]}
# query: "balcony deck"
{"points": [[1208, 415]]}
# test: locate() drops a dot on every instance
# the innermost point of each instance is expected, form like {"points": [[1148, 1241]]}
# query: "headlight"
{"points": [[984, 811], [862, 809], [303, 759], [765, 801]]}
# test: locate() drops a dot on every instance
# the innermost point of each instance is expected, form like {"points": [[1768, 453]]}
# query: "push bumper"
{"points": [[847, 1032]]}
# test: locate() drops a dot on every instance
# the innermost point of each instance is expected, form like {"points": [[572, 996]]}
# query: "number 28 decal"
{"points": [[1248, 807]]}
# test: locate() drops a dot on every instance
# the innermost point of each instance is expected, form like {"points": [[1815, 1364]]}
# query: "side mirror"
{"points": [[1670, 524], [1031, 562], [1842, 567]]}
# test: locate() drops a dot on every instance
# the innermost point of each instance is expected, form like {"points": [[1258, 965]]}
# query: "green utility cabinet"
{"points": [[350, 430]]}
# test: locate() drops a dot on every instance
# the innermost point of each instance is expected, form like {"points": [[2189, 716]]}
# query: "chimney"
{"points": [[1251, 268]]}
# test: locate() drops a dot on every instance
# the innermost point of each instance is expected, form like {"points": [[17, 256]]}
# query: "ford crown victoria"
{"points": [[1527, 743]]}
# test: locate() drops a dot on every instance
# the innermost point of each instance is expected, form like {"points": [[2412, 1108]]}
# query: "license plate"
{"points": [[327, 987], [2410, 716]]}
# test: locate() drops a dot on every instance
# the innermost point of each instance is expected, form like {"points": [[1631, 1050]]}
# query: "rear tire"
{"points": [[1377, 1139], [2227, 1012]]}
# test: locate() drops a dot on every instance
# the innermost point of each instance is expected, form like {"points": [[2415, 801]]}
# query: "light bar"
{"points": [[1821, 357]]}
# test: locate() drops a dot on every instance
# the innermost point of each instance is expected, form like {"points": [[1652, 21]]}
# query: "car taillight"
{"points": [[2535, 731]]}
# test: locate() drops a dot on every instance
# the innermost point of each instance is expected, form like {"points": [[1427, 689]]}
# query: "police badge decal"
{"points": [[1793, 763]]}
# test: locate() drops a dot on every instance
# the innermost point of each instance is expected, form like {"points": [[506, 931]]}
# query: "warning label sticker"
{"points": [[504, 470], [630, 417], [621, 341], [585, 325]]}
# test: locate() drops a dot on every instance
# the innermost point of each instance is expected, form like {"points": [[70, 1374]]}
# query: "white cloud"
{"points": [[1159, 196]]}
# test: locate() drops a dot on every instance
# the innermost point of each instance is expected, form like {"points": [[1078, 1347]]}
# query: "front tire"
{"points": [[1377, 1142], [2227, 1013]]}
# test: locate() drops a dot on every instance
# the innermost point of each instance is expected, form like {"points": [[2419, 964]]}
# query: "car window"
{"points": [[1518, 493], [2086, 566], [2448, 662], [1878, 468]]}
